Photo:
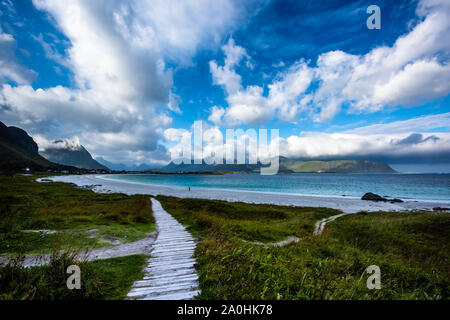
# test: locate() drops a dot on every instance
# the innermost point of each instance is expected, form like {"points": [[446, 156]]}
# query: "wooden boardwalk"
{"points": [[170, 273]]}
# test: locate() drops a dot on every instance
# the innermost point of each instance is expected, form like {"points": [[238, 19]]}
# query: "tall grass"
{"points": [[48, 282], [411, 249]]}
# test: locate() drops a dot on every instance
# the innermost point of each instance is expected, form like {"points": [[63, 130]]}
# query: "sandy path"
{"points": [[320, 225], [142, 246]]}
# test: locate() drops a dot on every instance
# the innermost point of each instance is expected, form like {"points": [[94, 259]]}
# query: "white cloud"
{"points": [[225, 75], [424, 123], [176, 135], [216, 115], [44, 144], [118, 53], [174, 101], [245, 105], [249, 105], [389, 140], [415, 84], [287, 93], [398, 141], [10, 68], [415, 70], [341, 145]]}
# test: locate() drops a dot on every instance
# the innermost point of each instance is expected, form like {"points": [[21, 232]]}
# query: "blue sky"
{"points": [[127, 79]]}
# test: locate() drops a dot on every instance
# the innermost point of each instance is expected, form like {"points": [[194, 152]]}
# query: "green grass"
{"points": [[117, 275], [411, 249], [28, 205], [109, 279]]}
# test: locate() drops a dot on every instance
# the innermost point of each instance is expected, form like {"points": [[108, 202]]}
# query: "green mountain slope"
{"points": [[335, 166]]}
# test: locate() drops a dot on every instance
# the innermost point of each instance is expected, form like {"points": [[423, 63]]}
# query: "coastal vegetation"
{"points": [[108, 279], [412, 250], [66, 217], [76, 218], [236, 257]]}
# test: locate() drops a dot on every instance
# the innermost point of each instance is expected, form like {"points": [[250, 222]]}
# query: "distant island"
{"points": [[285, 166]]}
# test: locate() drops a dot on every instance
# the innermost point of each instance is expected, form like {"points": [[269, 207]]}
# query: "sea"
{"points": [[425, 187]]}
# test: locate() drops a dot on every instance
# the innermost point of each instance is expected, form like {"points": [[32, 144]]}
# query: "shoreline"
{"points": [[344, 204], [103, 177]]}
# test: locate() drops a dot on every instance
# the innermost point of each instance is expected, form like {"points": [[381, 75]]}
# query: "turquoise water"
{"points": [[403, 186]]}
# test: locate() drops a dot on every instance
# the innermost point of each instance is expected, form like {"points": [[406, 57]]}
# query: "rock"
{"points": [[373, 197], [89, 186], [41, 232], [111, 240], [396, 200], [92, 233], [441, 209]]}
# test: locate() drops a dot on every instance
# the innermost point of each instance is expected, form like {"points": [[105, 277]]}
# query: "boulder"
{"points": [[373, 197], [441, 209]]}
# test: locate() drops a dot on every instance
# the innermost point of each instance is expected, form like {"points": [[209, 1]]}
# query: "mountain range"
{"points": [[124, 167], [18, 150], [288, 166]]}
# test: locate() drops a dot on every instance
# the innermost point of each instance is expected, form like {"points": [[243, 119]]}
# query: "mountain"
{"points": [[72, 154], [204, 167], [18, 150], [124, 167], [334, 166], [289, 166]]}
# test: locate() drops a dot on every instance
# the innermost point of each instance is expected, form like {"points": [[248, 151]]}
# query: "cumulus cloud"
{"points": [[10, 68], [376, 142], [249, 105], [45, 144], [397, 141], [415, 70], [225, 75], [215, 146], [314, 145], [118, 54], [176, 135]]}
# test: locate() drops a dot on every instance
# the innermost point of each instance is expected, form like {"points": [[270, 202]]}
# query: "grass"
{"points": [[411, 249], [28, 205], [118, 274], [102, 279]]}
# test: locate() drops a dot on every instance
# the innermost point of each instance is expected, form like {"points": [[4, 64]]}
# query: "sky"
{"points": [[127, 79]]}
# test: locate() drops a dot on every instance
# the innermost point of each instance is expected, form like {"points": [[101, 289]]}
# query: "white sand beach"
{"points": [[346, 205]]}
